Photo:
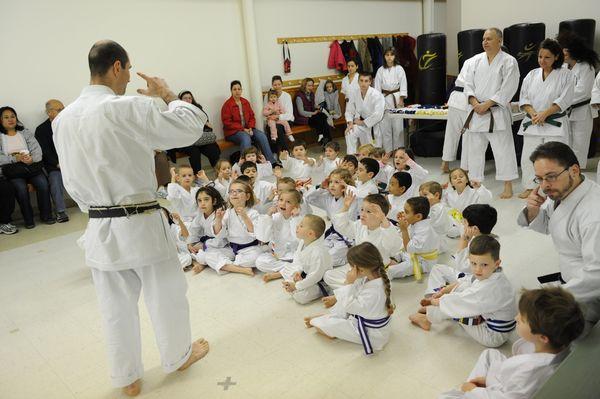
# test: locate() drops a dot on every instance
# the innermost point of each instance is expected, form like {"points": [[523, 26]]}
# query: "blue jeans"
{"points": [[56, 190], [244, 140], [40, 183]]}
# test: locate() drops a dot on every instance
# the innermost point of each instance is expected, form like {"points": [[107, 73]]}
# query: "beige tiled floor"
{"points": [[51, 344]]}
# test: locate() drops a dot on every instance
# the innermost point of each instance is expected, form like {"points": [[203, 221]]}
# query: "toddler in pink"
{"points": [[271, 111]]}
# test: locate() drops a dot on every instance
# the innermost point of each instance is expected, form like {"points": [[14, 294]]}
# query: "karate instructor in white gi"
{"points": [[105, 143]]}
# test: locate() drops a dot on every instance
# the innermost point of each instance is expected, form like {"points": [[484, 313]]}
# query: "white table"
{"points": [[517, 116]]}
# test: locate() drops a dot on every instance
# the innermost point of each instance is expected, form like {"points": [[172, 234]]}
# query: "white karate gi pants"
{"points": [[336, 278], [455, 123], [267, 263], [480, 333], [302, 296], [392, 128], [439, 276], [530, 143], [405, 267], [503, 147], [337, 249], [118, 293], [245, 257], [581, 134], [360, 133]]}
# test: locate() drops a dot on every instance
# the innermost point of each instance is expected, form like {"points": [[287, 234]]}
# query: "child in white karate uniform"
{"points": [[441, 221], [372, 226], [179, 233], [419, 239], [303, 278], [404, 162], [264, 191], [330, 198], [182, 194], [483, 303], [205, 248], [264, 168], [360, 310], [327, 162], [461, 194], [549, 320], [299, 166], [385, 170], [237, 225], [286, 184], [350, 163], [400, 189], [477, 219], [278, 228], [224, 177], [365, 179]]}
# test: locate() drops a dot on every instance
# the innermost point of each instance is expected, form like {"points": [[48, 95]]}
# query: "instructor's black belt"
{"points": [[458, 88], [118, 211], [579, 104]]}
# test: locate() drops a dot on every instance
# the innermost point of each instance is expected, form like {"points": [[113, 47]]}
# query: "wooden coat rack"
{"points": [[317, 39]]}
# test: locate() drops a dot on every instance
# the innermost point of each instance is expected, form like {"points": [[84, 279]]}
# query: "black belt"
{"points": [[551, 278], [331, 230], [579, 104], [458, 88], [321, 284], [118, 211]]}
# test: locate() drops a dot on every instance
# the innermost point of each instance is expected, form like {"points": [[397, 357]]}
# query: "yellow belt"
{"points": [[456, 215], [417, 268]]}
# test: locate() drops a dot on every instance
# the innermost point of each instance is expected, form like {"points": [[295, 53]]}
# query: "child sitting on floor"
{"points": [[299, 166]]}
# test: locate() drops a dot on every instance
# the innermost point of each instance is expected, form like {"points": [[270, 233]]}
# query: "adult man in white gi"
{"points": [[364, 113], [105, 144], [570, 215], [490, 85]]}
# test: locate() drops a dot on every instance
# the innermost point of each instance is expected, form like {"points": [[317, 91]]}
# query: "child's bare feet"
{"points": [[508, 191], [238, 269], [197, 267], [422, 310], [133, 389], [525, 194], [199, 350], [271, 276], [445, 167], [329, 301], [425, 302], [307, 321], [420, 320]]}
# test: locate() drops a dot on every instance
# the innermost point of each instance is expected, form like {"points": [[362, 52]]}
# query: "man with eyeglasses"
{"points": [[566, 205]]}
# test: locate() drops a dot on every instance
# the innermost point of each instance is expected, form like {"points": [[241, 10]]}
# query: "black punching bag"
{"points": [[469, 44], [522, 42], [585, 28], [431, 53], [431, 86]]}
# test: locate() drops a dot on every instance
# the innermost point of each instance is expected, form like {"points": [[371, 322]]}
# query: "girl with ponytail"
{"points": [[361, 309]]}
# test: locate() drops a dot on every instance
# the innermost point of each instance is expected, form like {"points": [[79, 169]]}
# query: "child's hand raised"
{"points": [[262, 159], [475, 184], [175, 216], [272, 210], [272, 194], [470, 232], [295, 211], [241, 211], [445, 185], [352, 275], [234, 175], [402, 221], [283, 155], [348, 199], [219, 213], [202, 175]]}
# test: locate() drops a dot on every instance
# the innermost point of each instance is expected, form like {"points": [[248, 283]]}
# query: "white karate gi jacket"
{"points": [[391, 79], [296, 168], [575, 230], [459, 99], [583, 74], [234, 229], [263, 170], [262, 190], [371, 109], [105, 145], [280, 233], [469, 196], [348, 86], [498, 82], [183, 201], [312, 259]]}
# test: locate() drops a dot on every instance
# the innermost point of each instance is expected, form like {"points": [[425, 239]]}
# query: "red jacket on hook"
{"points": [[336, 57]]}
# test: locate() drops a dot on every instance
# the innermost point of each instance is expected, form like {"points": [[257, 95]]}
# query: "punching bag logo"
{"points": [[527, 53], [460, 54], [426, 60]]}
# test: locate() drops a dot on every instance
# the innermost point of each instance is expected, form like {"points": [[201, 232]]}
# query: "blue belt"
{"points": [[238, 247], [203, 240], [364, 324], [501, 326], [331, 230]]}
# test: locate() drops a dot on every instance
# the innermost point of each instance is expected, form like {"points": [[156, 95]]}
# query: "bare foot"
{"points": [[445, 168], [420, 320], [425, 302], [133, 389], [199, 350], [329, 301], [271, 276], [322, 333], [197, 267], [422, 310], [525, 194], [307, 321], [238, 269], [508, 192]]}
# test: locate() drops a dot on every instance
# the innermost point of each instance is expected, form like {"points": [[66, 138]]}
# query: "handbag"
{"points": [[208, 137], [287, 61], [20, 170]]}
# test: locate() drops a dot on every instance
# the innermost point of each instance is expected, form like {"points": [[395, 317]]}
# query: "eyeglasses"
{"points": [[548, 178], [236, 192]]}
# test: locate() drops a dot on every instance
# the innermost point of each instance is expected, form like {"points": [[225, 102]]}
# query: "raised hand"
{"points": [[262, 159], [475, 184], [284, 155], [402, 221], [156, 87], [202, 175], [534, 202], [348, 199], [219, 213]]}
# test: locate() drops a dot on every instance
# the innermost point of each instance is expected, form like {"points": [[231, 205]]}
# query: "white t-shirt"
{"points": [[15, 144]]}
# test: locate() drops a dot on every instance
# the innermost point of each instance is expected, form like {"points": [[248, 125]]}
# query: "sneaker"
{"points": [[8, 228], [50, 220], [29, 225], [62, 217]]}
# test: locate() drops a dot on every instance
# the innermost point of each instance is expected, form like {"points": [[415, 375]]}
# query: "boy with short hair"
{"points": [[350, 163], [549, 320], [304, 276], [299, 166], [441, 221], [385, 170], [252, 154], [329, 161], [420, 241], [478, 219], [483, 303], [400, 189]]}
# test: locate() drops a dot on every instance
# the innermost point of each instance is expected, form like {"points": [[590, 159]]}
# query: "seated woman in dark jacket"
{"points": [[20, 162], [210, 150], [306, 112]]}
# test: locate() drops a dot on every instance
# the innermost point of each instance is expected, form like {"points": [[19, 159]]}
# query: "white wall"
{"points": [[453, 26], [486, 13], [277, 18], [196, 45]]}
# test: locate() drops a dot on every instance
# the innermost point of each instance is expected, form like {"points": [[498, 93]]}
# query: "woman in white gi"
{"points": [[350, 81], [362, 308], [581, 60], [364, 113], [546, 95], [390, 80], [127, 244]]}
